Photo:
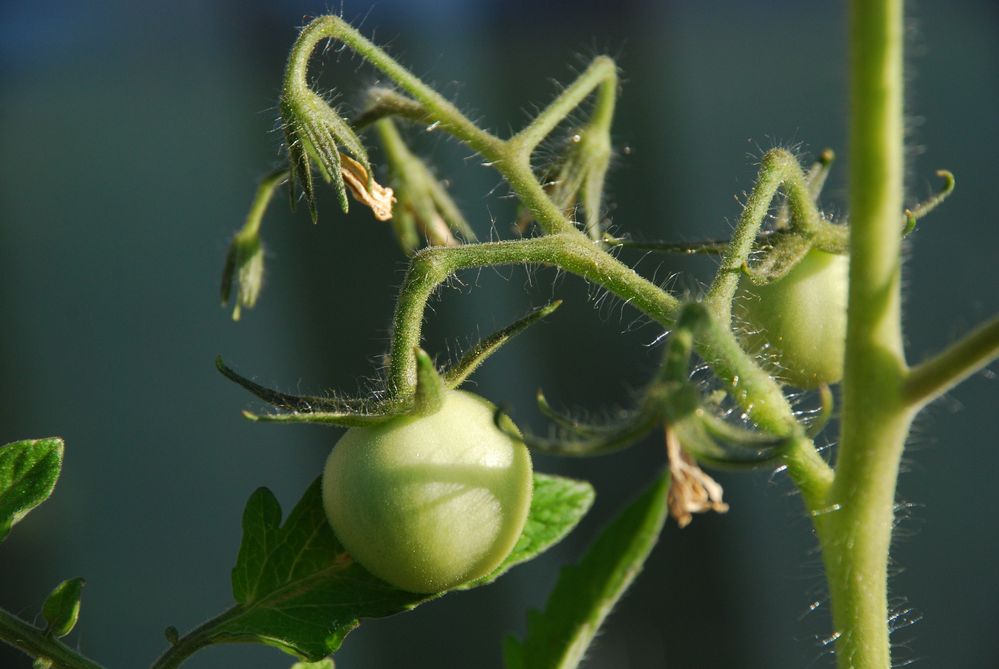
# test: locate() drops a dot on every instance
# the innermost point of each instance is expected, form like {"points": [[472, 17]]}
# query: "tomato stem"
{"points": [[37, 643], [855, 537]]}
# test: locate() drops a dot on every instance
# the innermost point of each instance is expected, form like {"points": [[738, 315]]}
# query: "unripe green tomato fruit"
{"points": [[800, 319], [427, 503]]}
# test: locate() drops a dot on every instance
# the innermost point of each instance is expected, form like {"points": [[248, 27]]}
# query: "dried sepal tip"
{"points": [[366, 190]]}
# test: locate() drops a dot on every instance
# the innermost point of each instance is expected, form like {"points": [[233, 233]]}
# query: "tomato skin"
{"points": [[427, 503], [799, 320]]}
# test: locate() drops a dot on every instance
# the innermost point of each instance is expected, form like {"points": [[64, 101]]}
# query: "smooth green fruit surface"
{"points": [[427, 503], [799, 320]]}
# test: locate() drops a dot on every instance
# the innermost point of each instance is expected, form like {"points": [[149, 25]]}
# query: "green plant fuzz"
{"points": [[427, 503], [799, 320]]}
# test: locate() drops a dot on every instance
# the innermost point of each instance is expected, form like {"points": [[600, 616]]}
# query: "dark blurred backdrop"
{"points": [[131, 138]]}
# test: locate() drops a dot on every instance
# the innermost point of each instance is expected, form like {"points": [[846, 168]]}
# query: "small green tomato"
{"points": [[800, 319], [427, 503]]}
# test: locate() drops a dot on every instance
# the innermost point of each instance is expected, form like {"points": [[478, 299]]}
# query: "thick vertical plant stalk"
{"points": [[856, 529]]}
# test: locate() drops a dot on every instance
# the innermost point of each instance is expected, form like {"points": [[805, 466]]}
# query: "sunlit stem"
{"points": [[571, 252], [333, 27], [761, 397], [261, 200], [816, 180], [204, 635], [566, 247], [778, 168], [36, 643], [855, 538], [511, 164], [936, 376], [602, 72], [913, 215]]}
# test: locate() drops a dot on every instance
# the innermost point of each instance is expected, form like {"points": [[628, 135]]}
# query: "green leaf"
{"points": [[28, 473], [298, 589], [585, 593], [62, 607], [296, 586]]}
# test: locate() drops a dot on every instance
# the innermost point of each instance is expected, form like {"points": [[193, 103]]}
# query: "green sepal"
{"points": [[314, 130], [786, 251], [706, 446], [559, 636], [335, 418], [461, 370], [299, 169], [404, 227], [815, 180], [566, 422], [354, 412], [62, 607], [430, 387], [382, 102], [343, 412], [692, 319], [426, 207], [29, 470], [664, 398], [592, 190], [586, 440], [281, 400], [580, 175]]}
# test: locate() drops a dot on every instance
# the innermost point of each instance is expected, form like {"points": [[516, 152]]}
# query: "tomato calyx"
{"points": [[388, 403], [671, 398]]}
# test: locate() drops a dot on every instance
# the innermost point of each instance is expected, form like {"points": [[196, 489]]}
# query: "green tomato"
{"points": [[427, 503], [799, 320]]}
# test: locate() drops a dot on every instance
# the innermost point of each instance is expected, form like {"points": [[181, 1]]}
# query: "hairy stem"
{"points": [[602, 72], [512, 163], [200, 637], [856, 534], [261, 199], [569, 249], [778, 168], [752, 387], [333, 27], [571, 252], [36, 643], [936, 376]]}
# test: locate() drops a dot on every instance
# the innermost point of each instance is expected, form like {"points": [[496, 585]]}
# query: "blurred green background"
{"points": [[131, 138]]}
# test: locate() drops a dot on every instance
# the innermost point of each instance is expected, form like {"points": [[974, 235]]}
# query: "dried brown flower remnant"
{"points": [[378, 198], [691, 490]]}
